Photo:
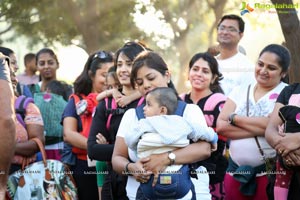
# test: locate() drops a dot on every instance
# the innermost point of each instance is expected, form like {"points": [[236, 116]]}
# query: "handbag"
{"points": [[269, 162], [46, 179]]}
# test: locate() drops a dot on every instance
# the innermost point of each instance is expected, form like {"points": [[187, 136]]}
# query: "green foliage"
{"points": [[41, 21], [100, 22]]}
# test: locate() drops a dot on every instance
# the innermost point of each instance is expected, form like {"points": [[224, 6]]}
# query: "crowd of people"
{"points": [[126, 133]]}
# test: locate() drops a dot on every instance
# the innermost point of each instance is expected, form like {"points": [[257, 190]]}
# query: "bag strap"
{"points": [[25, 162], [247, 101], [41, 148], [255, 137]]}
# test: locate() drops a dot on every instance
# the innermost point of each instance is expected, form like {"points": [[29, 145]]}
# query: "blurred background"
{"points": [[177, 29]]}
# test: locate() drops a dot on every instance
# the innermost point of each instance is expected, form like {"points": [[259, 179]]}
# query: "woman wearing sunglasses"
{"points": [[77, 118]]}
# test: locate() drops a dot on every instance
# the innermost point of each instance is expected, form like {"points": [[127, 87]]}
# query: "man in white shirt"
{"points": [[236, 68], [29, 76]]}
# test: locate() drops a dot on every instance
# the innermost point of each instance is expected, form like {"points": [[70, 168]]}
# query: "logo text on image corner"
{"points": [[246, 8]]}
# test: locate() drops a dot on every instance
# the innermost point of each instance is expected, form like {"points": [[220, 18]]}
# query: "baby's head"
{"points": [[112, 80], [160, 101], [60, 88]]}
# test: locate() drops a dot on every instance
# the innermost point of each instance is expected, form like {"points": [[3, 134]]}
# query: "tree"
{"points": [[198, 33], [106, 24], [91, 24], [289, 22]]}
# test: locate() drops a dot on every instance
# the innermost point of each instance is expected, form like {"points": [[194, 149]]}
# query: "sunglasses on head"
{"points": [[102, 55]]}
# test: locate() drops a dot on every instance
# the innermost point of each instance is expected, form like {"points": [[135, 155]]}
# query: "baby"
{"points": [[163, 131]]}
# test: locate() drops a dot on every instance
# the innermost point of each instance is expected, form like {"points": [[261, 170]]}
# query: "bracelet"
{"points": [[127, 170], [231, 119]]}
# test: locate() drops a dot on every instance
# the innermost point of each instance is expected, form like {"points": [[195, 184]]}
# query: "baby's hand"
{"points": [[214, 147], [281, 130], [100, 139], [116, 94], [123, 101]]}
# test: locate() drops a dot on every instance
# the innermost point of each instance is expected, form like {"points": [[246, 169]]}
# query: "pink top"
{"points": [[27, 80]]}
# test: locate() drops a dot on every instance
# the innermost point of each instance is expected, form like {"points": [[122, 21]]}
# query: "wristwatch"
{"points": [[231, 119], [171, 157]]}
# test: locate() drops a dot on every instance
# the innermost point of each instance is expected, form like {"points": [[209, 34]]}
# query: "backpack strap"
{"points": [[211, 104], [76, 97], [179, 111], [112, 108], [141, 101], [110, 104], [20, 108], [85, 125], [182, 96], [20, 89]]}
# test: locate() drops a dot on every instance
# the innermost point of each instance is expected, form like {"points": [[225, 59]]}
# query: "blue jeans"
{"points": [[177, 186]]}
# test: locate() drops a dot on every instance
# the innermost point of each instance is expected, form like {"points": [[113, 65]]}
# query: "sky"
{"points": [[71, 58]]}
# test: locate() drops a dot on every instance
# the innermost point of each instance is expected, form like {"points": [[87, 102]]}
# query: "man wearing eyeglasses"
{"points": [[7, 124], [236, 68]]}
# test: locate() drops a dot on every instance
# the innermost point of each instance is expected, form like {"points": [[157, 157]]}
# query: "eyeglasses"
{"points": [[228, 29]]}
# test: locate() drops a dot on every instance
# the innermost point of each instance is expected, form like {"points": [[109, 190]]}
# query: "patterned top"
{"points": [[32, 116], [245, 151]]}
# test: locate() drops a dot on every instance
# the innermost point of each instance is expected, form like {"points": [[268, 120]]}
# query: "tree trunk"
{"points": [[85, 24], [218, 10], [183, 60], [291, 30]]}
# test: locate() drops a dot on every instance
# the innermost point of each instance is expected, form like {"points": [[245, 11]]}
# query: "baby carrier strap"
{"points": [[112, 109], [111, 105], [179, 111], [211, 104], [20, 108]]}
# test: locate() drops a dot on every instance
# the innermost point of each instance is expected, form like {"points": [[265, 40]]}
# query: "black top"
{"points": [[103, 152], [287, 92], [216, 164], [284, 98]]}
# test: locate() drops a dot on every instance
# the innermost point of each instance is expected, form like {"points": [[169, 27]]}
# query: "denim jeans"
{"points": [[179, 185]]}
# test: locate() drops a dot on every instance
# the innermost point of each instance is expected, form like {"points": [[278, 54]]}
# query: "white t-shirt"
{"points": [[245, 151], [192, 113], [236, 70]]}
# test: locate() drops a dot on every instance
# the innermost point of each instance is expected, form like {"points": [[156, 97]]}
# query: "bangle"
{"points": [[231, 119], [127, 170]]}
